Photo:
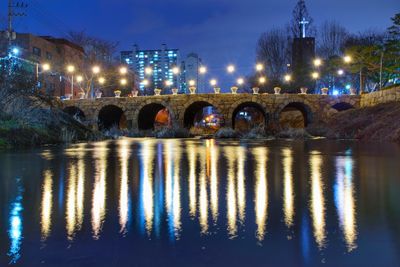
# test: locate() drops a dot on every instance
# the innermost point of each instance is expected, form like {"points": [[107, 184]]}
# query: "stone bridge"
{"points": [[140, 112]]}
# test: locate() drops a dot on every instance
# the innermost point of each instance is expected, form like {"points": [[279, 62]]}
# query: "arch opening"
{"points": [[111, 116], [76, 113], [247, 116], [295, 115], [342, 106], [203, 116], [154, 116]]}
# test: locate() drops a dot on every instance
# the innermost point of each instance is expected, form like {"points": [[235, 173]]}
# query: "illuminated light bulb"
{"points": [[192, 83], [259, 67], [123, 81], [340, 72], [347, 59], [240, 81], [70, 68], [79, 78], [213, 82], [145, 82], [262, 80], [102, 80], [202, 70], [46, 67], [168, 83], [315, 75], [96, 69], [230, 68], [288, 78], [123, 70], [317, 62], [175, 70], [148, 71]]}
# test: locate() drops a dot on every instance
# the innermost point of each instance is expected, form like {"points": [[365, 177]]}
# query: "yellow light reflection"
{"points": [[241, 186], [288, 194], [203, 196], [70, 211], [261, 190], [231, 192], [99, 190], [345, 201], [177, 209], [192, 157], [147, 155], [124, 152], [317, 202], [47, 204], [213, 178]]}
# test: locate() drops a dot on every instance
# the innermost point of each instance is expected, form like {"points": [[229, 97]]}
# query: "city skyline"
{"points": [[198, 28]]}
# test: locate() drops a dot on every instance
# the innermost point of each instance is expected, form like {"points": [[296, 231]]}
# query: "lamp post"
{"points": [[71, 70]]}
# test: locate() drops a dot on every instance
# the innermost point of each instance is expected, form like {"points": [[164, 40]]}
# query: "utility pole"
{"points": [[10, 33]]}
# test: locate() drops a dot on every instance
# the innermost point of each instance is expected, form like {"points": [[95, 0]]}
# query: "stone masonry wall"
{"points": [[379, 97]]}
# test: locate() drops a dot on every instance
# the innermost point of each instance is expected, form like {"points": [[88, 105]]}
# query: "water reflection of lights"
{"points": [[75, 192], [344, 200], [317, 202], [192, 157], [203, 195], [124, 202], [241, 186], [261, 190], [47, 204], [288, 194], [16, 225], [231, 192], [172, 187], [99, 190], [213, 178], [147, 195]]}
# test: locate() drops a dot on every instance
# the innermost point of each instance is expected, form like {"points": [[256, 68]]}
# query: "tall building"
{"points": [[154, 66], [56, 52], [190, 72]]}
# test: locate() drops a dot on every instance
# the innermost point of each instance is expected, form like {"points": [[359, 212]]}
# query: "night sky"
{"points": [[220, 31]]}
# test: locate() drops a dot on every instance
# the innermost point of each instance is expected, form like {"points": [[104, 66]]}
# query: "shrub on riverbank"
{"points": [[225, 133], [294, 133], [172, 133]]}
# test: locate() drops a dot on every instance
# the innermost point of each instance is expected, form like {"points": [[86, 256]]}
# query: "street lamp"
{"points": [[202, 70], [96, 70], [231, 69], [123, 81], [45, 67], [240, 81], [262, 80], [213, 82], [315, 75], [259, 67], [287, 78], [347, 59], [148, 71], [123, 70], [317, 62], [102, 80], [192, 83], [71, 70], [340, 72], [175, 70]]}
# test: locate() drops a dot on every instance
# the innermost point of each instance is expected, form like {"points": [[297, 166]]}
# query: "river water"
{"points": [[147, 202]]}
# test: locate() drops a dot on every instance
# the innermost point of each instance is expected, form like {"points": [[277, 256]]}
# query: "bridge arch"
{"points": [[194, 108], [294, 114], [152, 113], [248, 114], [110, 116], [76, 113]]}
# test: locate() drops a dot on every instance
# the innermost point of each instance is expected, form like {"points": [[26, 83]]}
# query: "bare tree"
{"points": [[331, 39], [97, 50], [273, 50]]}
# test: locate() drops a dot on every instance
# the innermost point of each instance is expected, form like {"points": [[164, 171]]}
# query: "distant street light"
{"points": [[79, 78], [287, 78], [213, 82], [168, 83], [102, 80], [202, 70], [148, 71], [123, 81], [315, 75], [347, 59], [192, 83], [231, 69], [96, 70], [240, 81], [145, 82], [71, 70], [46, 67], [259, 67], [340, 72], [317, 62], [123, 70], [262, 80], [175, 70]]}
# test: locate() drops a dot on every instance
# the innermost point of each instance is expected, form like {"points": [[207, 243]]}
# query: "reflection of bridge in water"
{"points": [[140, 112]]}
